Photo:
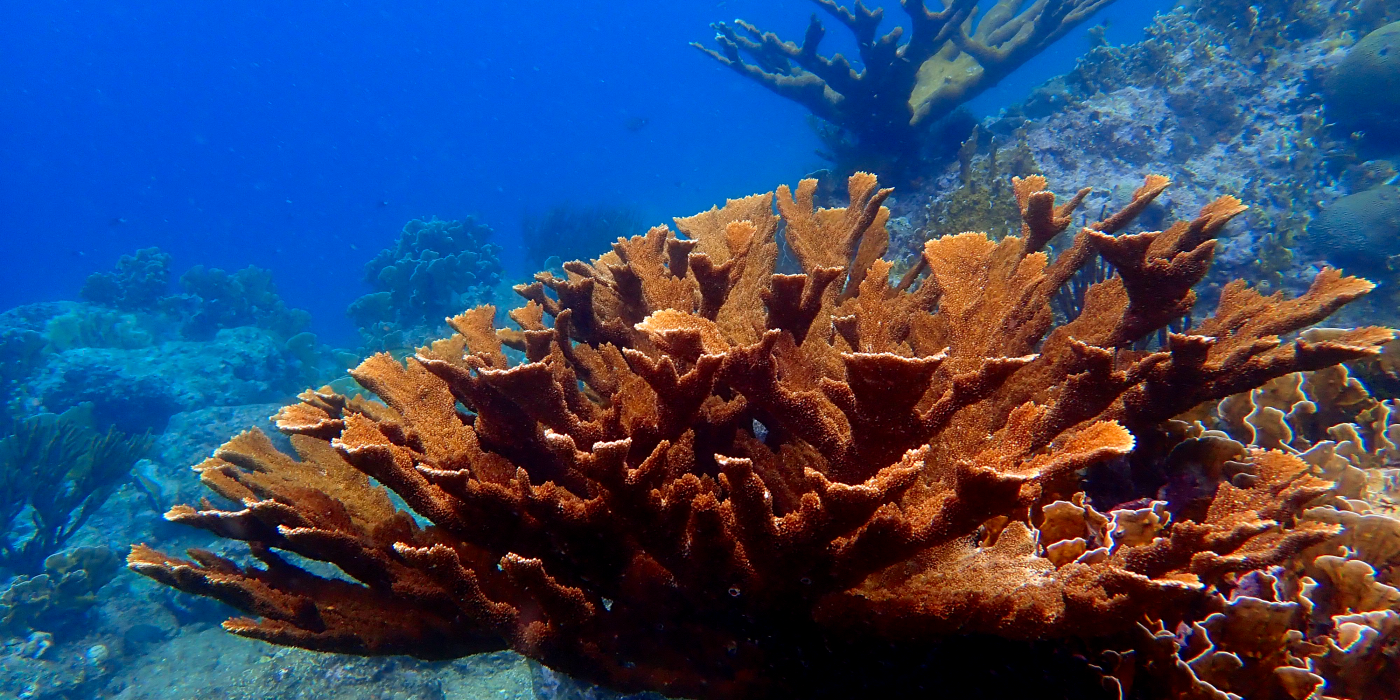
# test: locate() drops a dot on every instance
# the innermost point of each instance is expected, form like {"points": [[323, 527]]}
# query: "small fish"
{"points": [[636, 124], [116, 221], [382, 203]]}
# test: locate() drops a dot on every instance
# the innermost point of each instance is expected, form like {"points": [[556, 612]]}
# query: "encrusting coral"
{"points": [[901, 87], [710, 480]]}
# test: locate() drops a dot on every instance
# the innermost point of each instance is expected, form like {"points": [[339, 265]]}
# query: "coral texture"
{"points": [[1334, 612], [711, 480], [435, 269], [901, 87]]}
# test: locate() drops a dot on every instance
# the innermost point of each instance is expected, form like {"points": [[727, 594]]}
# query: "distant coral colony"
{"points": [[708, 479], [882, 112]]}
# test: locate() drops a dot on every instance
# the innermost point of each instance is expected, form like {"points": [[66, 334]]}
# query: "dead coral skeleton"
{"points": [[711, 480]]}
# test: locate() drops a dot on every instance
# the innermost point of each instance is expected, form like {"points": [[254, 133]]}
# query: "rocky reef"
{"points": [[711, 480]]}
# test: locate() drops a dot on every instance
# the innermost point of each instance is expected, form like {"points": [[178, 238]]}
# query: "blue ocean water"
{"points": [[1034, 553], [300, 137]]}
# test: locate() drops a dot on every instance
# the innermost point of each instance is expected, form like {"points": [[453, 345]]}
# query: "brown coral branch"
{"points": [[708, 479]]}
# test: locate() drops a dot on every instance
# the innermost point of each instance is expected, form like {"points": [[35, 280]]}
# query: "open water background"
{"points": [[301, 136]]}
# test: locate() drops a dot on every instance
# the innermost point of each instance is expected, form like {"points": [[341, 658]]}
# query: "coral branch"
{"points": [[711, 480]]}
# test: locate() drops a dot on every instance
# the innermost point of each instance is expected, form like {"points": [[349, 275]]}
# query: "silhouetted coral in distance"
{"points": [[215, 299], [885, 105]]}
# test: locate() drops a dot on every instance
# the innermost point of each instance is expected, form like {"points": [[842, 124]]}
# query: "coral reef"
{"points": [[570, 232], [1363, 92], [886, 107], [230, 339], [1225, 96], [212, 300], [983, 199], [712, 480], [55, 472], [140, 388], [435, 270], [215, 300], [139, 282]]}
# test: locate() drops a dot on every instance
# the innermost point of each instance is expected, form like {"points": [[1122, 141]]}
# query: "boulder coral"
{"points": [[1363, 91], [711, 480], [1360, 232]]}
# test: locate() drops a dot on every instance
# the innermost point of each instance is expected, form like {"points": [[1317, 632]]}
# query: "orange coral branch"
{"points": [[708, 479]]}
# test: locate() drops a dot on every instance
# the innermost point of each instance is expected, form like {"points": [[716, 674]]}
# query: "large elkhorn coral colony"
{"points": [[711, 480]]}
